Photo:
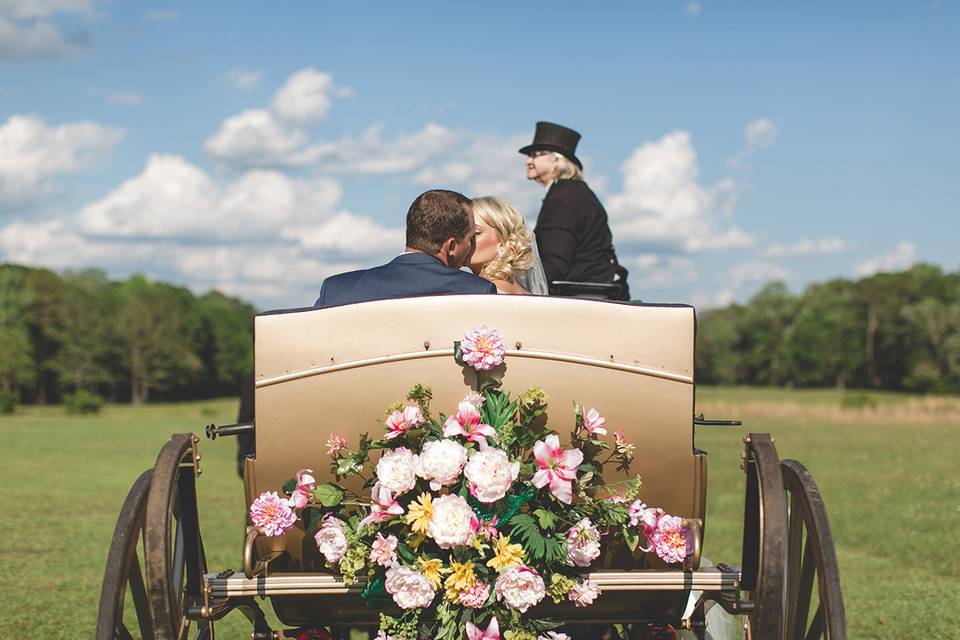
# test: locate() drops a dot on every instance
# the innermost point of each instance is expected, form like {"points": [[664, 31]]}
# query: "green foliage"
{"points": [[8, 402], [545, 519], [541, 548], [498, 411], [328, 494], [82, 402]]}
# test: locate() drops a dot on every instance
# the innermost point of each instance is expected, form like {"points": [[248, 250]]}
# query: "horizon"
{"points": [[256, 152]]}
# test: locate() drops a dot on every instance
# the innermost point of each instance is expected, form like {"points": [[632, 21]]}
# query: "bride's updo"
{"points": [[515, 255]]}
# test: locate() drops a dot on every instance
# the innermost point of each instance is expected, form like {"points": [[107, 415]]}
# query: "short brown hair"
{"points": [[435, 216]]}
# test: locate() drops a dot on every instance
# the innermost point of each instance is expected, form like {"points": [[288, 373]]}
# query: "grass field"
{"points": [[888, 474]]}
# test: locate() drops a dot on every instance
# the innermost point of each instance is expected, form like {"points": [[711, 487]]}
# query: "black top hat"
{"points": [[554, 137]]}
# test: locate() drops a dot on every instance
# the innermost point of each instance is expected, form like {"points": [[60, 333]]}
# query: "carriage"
{"points": [[336, 369]]}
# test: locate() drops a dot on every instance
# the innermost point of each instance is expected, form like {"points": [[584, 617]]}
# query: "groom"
{"points": [[440, 240]]}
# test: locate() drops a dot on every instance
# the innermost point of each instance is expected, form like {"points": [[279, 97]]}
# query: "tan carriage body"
{"points": [[319, 372]]}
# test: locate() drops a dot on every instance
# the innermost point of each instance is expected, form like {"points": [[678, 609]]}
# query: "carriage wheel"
{"points": [[174, 548], [764, 535], [810, 552], [124, 572]]}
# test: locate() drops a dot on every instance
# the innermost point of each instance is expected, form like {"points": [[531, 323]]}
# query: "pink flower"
{"points": [[671, 540], [623, 446], [305, 484], [558, 468], [492, 632], [482, 348], [487, 529], [476, 596], [331, 539], [475, 399], [466, 422], [593, 422], [384, 506], [398, 422], [584, 593], [335, 443], [646, 517], [583, 543], [383, 551], [271, 514], [520, 587]]}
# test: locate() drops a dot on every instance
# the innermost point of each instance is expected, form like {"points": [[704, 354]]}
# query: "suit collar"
{"points": [[416, 257]]}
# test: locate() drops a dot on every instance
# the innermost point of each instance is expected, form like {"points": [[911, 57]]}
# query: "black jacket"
{"points": [[573, 236]]}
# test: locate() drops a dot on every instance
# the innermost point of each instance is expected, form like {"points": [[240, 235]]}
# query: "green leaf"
{"points": [[328, 494], [631, 538], [289, 486], [457, 353], [546, 519], [375, 594], [524, 529], [406, 552]]}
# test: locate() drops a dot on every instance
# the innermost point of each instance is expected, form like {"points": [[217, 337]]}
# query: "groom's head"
{"points": [[441, 223]]}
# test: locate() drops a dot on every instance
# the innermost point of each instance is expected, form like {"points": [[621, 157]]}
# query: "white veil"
{"points": [[534, 279]]}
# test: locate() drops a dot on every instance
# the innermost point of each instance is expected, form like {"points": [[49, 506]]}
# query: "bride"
{"points": [[506, 252]]}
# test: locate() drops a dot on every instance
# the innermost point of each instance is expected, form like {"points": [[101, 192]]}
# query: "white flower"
{"points": [[521, 587], [583, 543], [396, 471], [410, 589], [452, 522], [584, 593], [441, 462], [475, 399], [331, 540], [490, 473], [554, 635]]}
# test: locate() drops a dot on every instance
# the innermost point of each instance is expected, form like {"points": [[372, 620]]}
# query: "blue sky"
{"points": [[257, 148]]}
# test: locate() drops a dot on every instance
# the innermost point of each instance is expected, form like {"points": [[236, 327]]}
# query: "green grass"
{"points": [[891, 487]]}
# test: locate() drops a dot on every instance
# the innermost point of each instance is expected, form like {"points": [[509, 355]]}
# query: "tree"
{"points": [[762, 327], [16, 364], [83, 332]]}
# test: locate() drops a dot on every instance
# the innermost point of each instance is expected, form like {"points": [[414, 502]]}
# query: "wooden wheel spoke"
{"points": [[140, 602], [123, 633], [817, 628], [801, 608], [795, 546]]}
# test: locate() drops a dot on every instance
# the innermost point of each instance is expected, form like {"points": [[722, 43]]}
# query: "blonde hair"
{"points": [[566, 169], [515, 254]]}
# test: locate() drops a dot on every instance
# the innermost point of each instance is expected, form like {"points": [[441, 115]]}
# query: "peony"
{"points": [[593, 422], [492, 631], [271, 514], [558, 468], [476, 596], [410, 590], [331, 540], [584, 593], [452, 522], [583, 543], [482, 348], [384, 550], [554, 635], [466, 422], [396, 471], [490, 473], [441, 462], [520, 587], [671, 540], [398, 422], [305, 484]]}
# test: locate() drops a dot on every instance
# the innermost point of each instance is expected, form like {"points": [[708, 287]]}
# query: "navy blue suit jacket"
{"points": [[407, 275]]}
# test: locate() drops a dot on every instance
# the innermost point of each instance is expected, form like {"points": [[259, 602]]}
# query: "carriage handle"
{"points": [[252, 533], [692, 562]]}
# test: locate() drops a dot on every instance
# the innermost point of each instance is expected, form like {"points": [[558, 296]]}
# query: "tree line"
{"points": [[895, 331], [138, 340], [134, 340]]}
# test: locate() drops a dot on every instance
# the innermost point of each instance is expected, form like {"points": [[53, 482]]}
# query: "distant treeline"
{"points": [[897, 331], [135, 340]]}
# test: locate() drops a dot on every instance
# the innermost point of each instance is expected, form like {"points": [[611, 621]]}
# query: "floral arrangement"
{"points": [[477, 516]]}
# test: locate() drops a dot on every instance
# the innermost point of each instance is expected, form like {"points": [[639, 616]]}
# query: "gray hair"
{"points": [[566, 169]]}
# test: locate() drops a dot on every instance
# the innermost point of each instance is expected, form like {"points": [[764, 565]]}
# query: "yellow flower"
{"points": [[431, 570], [505, 555], [419, 512], [460, 579]]}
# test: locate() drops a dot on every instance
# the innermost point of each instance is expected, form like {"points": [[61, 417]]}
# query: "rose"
{"points": [[584, 593], [396, 471], [410, 589], [452, 521], [520, 587], [383, 551], [441, 462], [331, 540], [583, 543], [490, 473]]}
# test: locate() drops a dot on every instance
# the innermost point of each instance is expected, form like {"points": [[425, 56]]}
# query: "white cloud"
{"points": [[803, 248], [125, 99], [258, 138], [655, 271], [761, 133], [371, 154], [244, 79], [901, 258], [346, 233], [305, 97], [31, 151], [161, 15], [692, 8], [703, 300], [663, 204], [755, 272], [25, 32]]}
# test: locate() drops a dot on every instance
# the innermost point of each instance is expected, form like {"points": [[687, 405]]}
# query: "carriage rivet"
{"points": [[519, 345], [426, 345]]}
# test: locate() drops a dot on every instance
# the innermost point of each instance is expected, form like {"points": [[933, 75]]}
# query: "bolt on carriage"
{"points": [[336, 369]]}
